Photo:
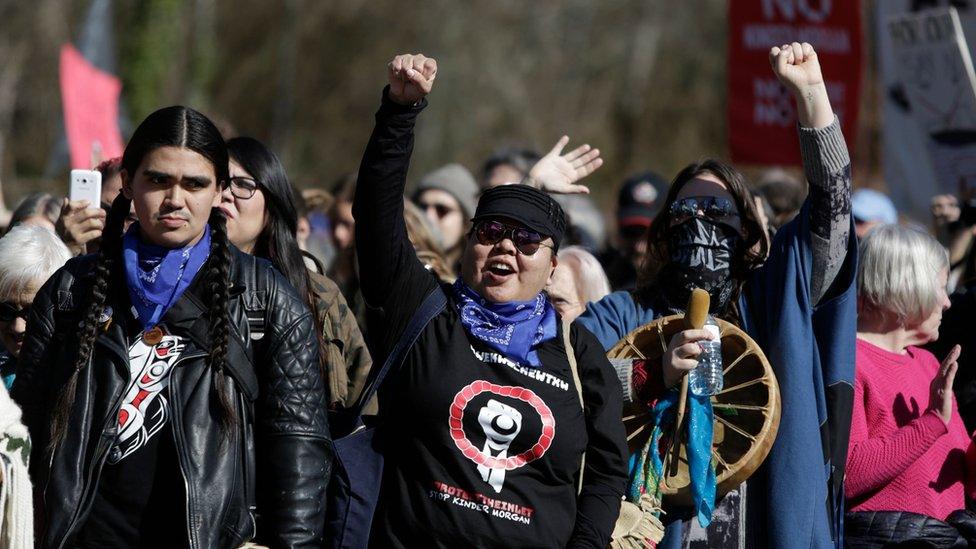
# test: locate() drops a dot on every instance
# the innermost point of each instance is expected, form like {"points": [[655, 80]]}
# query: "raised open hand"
{"points": [[940, 390], [557, 172], [411, 77], [796, 66]]}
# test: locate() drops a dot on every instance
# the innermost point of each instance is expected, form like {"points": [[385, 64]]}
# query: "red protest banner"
{"points": [[761, 112], [90, 99]]}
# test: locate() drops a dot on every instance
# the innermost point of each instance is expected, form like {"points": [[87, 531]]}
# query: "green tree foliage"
{"points": [[643, 80]]}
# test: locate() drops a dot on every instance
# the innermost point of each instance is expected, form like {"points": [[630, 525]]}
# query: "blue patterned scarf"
{"points": [[158, 276], [513, 328]]}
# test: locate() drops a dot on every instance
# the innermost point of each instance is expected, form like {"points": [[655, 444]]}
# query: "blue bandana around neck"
{"points": [[513, 328], [158, 276]]}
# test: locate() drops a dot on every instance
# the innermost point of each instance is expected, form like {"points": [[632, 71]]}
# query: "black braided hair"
{"points": [[109, 256], [218, 275], [175, 126]]}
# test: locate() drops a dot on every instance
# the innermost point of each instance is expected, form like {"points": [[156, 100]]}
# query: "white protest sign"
{"points": [[935, 71]]}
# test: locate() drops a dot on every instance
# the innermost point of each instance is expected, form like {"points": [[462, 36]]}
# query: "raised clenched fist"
{"points": [[796, 66], [411, 77]]}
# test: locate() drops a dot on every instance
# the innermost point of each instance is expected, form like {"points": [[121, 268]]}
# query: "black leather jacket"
{"points": [[901, 529], [281, 432]]}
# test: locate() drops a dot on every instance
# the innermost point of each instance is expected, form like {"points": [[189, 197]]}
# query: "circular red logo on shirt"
{"points": [[470, 451]]}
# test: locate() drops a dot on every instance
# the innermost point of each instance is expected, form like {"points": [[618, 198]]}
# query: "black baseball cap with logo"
{"points": [[640, 199]]}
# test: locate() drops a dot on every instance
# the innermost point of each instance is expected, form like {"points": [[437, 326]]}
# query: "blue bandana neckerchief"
{"points": [[158, 276], [513, 328]]}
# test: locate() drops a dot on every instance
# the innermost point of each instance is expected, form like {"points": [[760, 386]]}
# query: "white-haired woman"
{"points": [[28, 256], [908, 443], [578, 279]]}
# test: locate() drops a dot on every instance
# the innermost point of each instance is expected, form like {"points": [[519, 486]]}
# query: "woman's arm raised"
{"points": [[826, 162], [386, 257]]}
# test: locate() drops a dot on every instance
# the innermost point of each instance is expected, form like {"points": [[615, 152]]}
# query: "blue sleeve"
{"points": [[613, 317], [780, 300]]}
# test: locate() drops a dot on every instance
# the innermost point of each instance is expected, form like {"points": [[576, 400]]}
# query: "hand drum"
{"points": [[746, 411]]}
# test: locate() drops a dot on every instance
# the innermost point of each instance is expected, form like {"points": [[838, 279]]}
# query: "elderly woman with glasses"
{"points": [[795, 297], [484, 429], [28, 257]]}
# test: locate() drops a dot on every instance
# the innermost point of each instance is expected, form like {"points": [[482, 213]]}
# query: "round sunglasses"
{"points": [[526, 241]]}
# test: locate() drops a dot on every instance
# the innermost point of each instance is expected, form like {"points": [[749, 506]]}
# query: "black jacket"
{"points": [[904, 530], [281, 432]]}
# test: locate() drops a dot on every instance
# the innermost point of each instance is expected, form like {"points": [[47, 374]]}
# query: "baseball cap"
{"points": [[640, 199], [872, 205]]}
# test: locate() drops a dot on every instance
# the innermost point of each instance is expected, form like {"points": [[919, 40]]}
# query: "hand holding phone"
{"points": [[86, 185]]}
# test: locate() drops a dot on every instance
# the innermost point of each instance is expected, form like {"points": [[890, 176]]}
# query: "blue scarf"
{"points": [[513, 328], [699, 448], [158, 276]]}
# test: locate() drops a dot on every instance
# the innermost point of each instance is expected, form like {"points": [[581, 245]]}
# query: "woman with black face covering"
{"points": [[794, 296]]}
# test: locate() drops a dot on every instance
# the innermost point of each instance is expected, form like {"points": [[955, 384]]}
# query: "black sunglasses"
{"points": [[243, 187], [526, 241], [713, 208], [9, 311]]}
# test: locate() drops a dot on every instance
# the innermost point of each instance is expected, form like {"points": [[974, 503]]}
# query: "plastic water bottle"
{"points": [[706, 379]]}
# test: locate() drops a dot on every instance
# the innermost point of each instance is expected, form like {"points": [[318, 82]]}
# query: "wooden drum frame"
{"points": [[746, 411]]}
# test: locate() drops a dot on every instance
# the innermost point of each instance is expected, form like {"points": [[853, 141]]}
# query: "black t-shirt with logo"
{"points": [[480, 451], [140, 499]]}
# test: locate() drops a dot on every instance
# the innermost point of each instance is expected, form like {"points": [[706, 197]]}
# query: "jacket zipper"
{"points": [[100, 451], [101, 454], [98, 463], [248, 466], [179, 441]]}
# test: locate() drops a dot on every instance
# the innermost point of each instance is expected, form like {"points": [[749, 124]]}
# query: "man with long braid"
{"points": [[171, 383]]}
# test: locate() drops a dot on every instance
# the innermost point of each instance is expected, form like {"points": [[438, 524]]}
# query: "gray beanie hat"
{"points": [[455, 180]]}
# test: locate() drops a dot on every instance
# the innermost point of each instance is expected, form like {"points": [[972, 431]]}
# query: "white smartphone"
{"points": [[86, 185]]}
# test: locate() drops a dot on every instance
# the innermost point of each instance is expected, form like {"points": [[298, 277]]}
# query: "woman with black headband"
{"points": [[485, 434], [795, 297]]}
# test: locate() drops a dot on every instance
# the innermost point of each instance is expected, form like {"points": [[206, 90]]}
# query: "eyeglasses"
{"points": [[441, 210], [9, 311], [526, 241], [713, 208], [243, 187]]}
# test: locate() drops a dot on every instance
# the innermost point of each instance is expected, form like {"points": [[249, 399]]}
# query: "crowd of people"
{"points": [[174, 359]]}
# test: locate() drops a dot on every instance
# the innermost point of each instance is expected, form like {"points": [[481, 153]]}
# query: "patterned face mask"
{"points": [[701, 254]]}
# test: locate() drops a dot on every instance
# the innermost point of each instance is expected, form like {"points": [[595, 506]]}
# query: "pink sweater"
{"points": [[902, 457]]}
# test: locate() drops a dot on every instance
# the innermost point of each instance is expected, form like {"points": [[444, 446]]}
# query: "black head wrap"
{"points": [[529, 206]]}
